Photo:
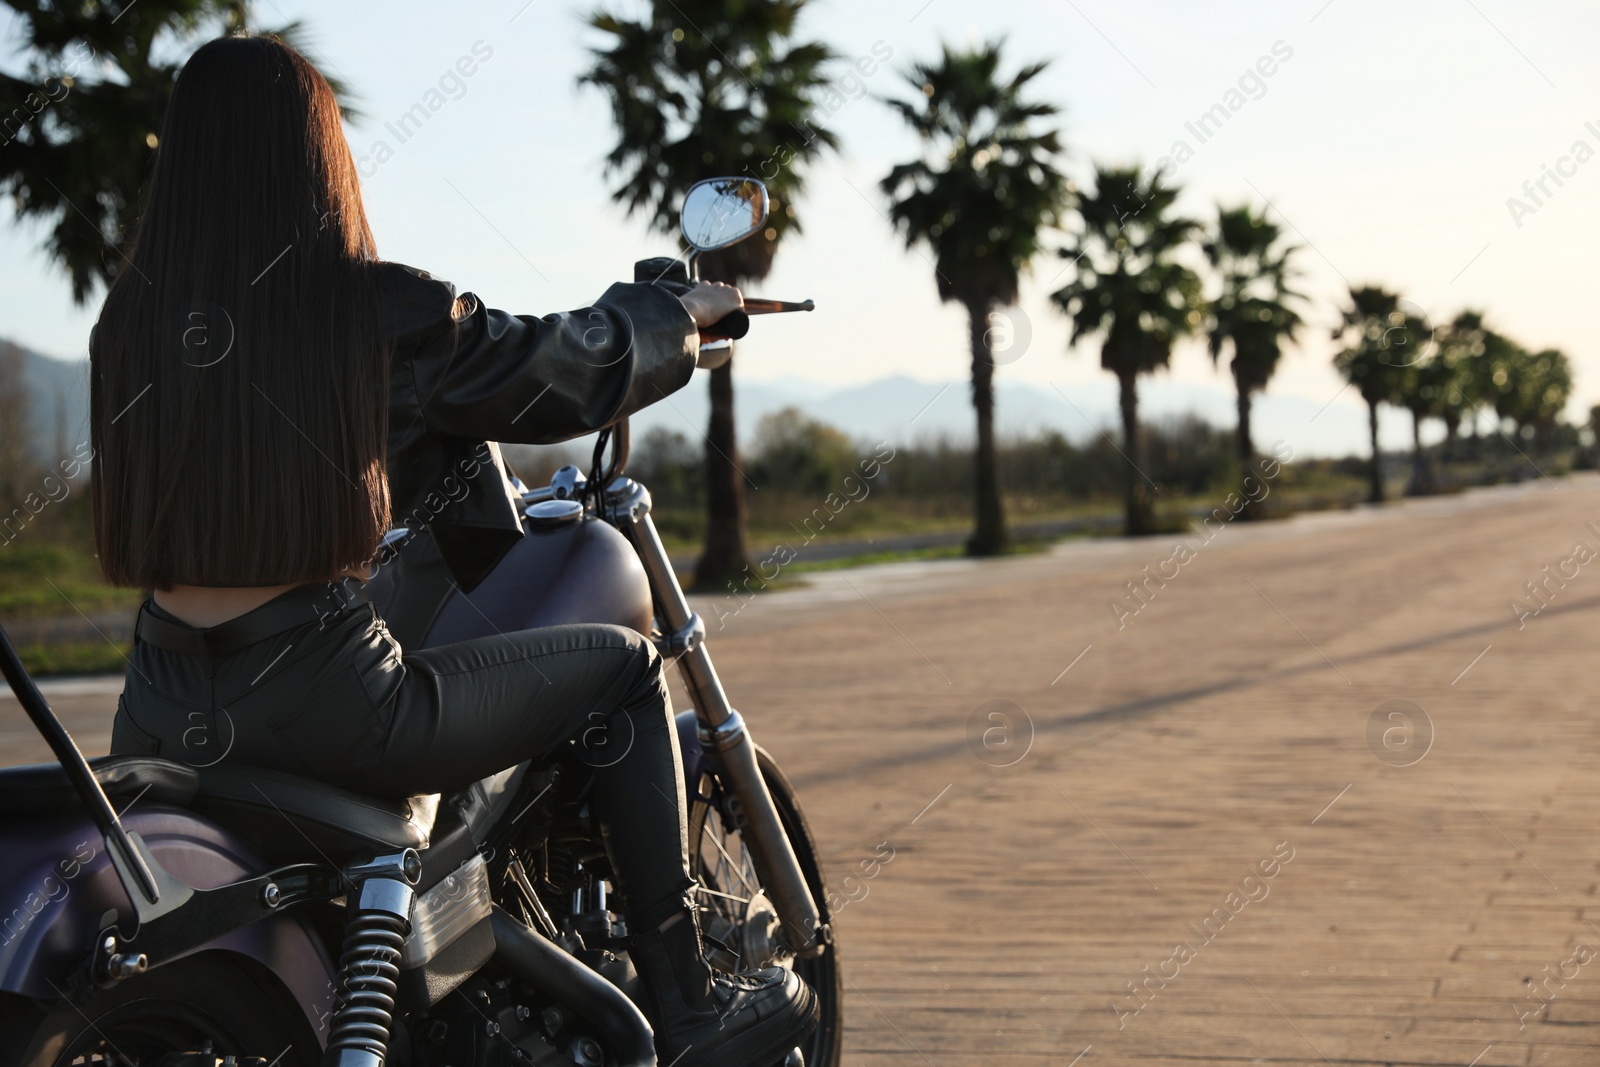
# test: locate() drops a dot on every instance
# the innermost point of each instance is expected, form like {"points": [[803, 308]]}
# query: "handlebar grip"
{"points": [[733, 325]]}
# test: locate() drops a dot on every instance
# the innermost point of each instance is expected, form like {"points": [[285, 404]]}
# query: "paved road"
{"points": [[1210, 851]]}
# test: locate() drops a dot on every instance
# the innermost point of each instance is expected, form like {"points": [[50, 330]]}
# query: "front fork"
{"points": [[723, 734]]}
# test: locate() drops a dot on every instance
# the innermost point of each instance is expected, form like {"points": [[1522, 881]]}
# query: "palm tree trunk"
{"points": [[1247, 451], [1376, 494], [1471, 446], [16, 425], [725, 557], [1139, 519], [1421, 482], [989, 536]]}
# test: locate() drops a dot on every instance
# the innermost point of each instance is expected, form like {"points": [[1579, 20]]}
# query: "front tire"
{"points": [[736, 912], [177, 1008]]}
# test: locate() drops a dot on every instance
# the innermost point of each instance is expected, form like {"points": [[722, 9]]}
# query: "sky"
{"points": [[1400, 144]]}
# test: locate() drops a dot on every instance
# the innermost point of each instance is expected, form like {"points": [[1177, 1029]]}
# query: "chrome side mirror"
{"points": [[719, 212]]}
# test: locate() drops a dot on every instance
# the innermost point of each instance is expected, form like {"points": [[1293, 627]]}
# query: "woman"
{"points": [[264, 391]]}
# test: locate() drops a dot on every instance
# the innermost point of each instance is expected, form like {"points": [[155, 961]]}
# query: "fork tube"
{"points": [[711, 704], [722, 729]]}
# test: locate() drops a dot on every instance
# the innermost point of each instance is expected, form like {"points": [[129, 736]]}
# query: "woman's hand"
{"points": [[710, 302]]}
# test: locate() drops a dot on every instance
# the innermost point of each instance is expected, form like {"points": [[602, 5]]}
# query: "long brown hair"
{"points": [[238, 367]]}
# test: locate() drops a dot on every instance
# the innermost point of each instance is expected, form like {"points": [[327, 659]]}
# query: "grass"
{"points": [[89, 657], [52, 577], [48, 569], [779, 518], [787, 518], [781, 521], [58, 597]]}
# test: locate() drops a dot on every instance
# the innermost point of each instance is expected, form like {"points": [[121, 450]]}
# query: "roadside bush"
{"points": [[800, 454]]}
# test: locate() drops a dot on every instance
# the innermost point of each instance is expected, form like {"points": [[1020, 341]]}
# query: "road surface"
{"points": [[1318, 795]]}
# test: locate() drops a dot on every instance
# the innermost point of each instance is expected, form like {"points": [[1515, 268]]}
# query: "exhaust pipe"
{"points": [[558, 976]]}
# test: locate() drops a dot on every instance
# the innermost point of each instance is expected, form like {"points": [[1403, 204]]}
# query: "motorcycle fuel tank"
{"points": [[577, 569]]}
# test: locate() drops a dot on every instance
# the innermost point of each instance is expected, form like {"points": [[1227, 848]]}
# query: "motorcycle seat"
{"points": [[44, 789], [288, 819]]}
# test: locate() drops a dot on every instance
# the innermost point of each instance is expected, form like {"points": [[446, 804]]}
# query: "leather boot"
{"points": [[704, 1018]]}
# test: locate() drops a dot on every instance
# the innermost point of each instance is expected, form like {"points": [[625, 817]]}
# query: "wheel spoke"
{"points": [[725, 896], [750, 927], [737, 868]]}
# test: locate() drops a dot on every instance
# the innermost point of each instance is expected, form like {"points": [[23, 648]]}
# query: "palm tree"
{"points": [[1507, 381], [1463, 346], [1130, 291], [1423, 389], [1381, 341], [978, 198], [1251, 313], [1544, 385], [699, 89], [79, 160]]}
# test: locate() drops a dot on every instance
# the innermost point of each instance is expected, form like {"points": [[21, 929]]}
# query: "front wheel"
{"points": [[203, 1003], [736, 911]]}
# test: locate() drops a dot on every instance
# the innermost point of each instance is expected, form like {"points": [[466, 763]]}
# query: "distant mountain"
{"points": [[900, 409], [904, 409], [59, 395]]}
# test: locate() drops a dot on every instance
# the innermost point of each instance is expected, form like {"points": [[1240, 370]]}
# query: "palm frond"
{"points": [[699, 88], [989, 182]]}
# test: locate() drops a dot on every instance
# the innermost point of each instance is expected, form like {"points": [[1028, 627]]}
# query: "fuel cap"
{"points": [[554, 512]]}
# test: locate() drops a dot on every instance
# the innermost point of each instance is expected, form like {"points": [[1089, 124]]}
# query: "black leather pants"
{"points": [[339, 701]]}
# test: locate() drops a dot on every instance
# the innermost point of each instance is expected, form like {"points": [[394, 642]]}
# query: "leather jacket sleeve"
{"points": [[465, 370], [463, 377]]}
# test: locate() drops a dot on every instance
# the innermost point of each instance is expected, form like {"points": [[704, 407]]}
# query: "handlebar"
{"points": [[755, 305], [673, 275], [733, 325]]}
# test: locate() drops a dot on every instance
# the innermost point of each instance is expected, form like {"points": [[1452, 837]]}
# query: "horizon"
{"points": [[940, 410]]}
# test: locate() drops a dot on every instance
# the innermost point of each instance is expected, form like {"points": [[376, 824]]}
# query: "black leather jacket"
{"points": [[464, 377]]}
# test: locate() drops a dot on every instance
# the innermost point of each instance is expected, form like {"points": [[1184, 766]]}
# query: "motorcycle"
{"points": [[158, 914]]}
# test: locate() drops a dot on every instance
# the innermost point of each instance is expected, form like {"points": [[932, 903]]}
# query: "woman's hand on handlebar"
{"points": [[710, 302]]}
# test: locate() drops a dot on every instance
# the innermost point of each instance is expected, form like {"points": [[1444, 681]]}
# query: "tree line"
{"points": [[704, 88], [988, 189], [1393, 354]]}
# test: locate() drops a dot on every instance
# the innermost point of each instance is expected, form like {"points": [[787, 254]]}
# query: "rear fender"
{"points": [[59, 891]]}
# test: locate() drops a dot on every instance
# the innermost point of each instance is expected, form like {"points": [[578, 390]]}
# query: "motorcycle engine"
{"points": [[495, 1024]]}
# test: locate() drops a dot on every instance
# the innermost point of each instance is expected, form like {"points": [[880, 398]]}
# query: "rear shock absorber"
{"points": [[379, 920]]}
